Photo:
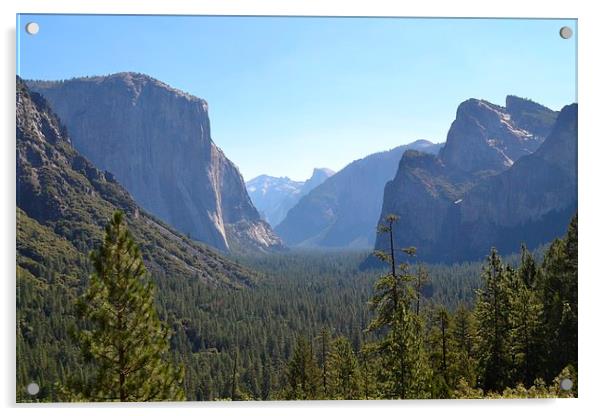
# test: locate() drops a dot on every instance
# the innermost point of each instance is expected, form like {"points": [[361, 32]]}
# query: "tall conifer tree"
{"points": [[303, 374], [492, 313], [404, 367], [343, 371], [463, 345], [126, 342]]}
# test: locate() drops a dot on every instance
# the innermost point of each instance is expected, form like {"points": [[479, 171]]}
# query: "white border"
{"points": [[590, 154]]}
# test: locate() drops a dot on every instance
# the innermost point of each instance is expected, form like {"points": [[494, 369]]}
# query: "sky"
{"points": [[287, 94]]}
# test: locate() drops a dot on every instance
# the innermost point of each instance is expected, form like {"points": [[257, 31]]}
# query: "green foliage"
{"points": [[440, 346], [403, 366], [558, 290], [463, 354], [527, 337], [343, 374], [492, 313], [539, 389], [300, 294], [303, 375], [126, 342]]}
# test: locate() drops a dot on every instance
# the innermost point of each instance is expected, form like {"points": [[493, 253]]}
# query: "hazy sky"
{"points": [[290, 94]]}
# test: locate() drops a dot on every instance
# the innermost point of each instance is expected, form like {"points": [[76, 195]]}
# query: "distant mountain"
{"points": [[318, 176], [156, 140], [343, 211], [64, 202], [493, 184], [274, 197]]}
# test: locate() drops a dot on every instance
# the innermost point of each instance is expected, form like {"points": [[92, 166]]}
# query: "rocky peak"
{"points": [[318, 176], [485, 138], [451, 211]]}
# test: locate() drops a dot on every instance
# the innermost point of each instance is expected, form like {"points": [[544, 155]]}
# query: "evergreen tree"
{"points": [[558, 288], [403, 372], [324, 346], [422, 278], [463, 344], [126, 341], [303, 373], [234, 393], [526, 320], [492, 313], [343, 371], [440, 340], [367, 369]]}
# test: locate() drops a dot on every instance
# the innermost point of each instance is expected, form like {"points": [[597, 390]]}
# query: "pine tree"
{"points": [[492, 312], [367, 367], [557, 284], [404, 368], [463, 344], [126, 342], [422, 278], [324, 345], [303, 375], [526, 320], [343, 371], [234, 393], [440, 340]]}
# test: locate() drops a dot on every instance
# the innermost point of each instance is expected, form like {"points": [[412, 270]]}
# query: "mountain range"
{"points": [[343, 211], [506, 176], [157, 142], [275, 196]]}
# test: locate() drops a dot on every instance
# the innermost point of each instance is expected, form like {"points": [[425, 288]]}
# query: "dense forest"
{"points": [[313, 326]]}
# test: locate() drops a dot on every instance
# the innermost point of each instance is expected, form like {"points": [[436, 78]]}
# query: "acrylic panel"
{"points": [[295, 208]]}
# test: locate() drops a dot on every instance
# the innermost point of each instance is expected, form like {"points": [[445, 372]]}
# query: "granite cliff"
{"points": [[157, 142], [64, 202], [505, 176]]}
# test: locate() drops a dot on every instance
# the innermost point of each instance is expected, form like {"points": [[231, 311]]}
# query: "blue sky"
{"points": [[290, 94]]}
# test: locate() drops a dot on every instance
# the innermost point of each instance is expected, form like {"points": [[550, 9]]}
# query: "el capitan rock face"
{"points": [[494, 183], [156, 140], [342, 212], [64, 201]]}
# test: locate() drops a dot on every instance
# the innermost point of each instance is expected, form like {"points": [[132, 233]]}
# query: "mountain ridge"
{"points": [[342, 212]]}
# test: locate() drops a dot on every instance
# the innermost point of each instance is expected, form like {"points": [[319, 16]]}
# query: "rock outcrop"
{"points": [[156, 140], [484, 138], [498, 181], [531, 203]]}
